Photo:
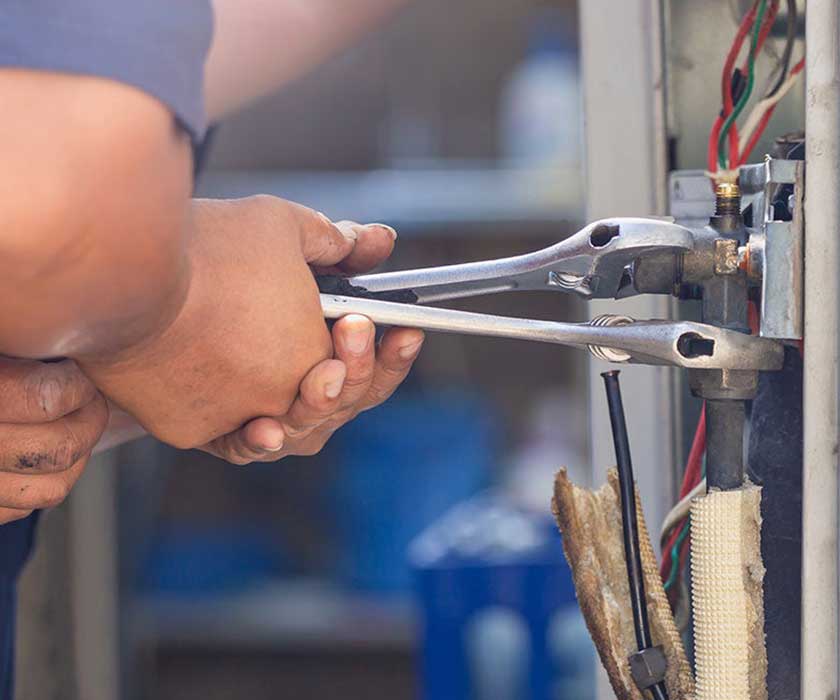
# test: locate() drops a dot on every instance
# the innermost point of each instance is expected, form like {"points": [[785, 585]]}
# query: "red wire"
{"points": [[765, 119], [711, 156], [692, 477], [694, 465], [766, 26], [728, 67], [756, 135]]}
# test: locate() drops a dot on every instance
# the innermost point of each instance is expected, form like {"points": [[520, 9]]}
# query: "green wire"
{"points": [[675, 550], [675, 556], [742, 102]]}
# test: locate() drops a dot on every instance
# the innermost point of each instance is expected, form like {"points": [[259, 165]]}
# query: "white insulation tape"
{"points": [[727, 578]]}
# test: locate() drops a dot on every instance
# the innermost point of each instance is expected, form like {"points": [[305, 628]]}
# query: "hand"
{"points": [[359, 377], [333, 393], [251, 328], [51, 417]]}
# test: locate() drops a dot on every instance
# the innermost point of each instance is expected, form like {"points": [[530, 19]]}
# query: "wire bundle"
{"points": [[728, 150], [675, 529]]}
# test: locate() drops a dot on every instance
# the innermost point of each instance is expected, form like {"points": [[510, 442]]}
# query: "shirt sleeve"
{"points": [[158, 46]]}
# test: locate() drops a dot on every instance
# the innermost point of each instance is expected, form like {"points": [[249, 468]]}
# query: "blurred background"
{"points": [[415, 557]]}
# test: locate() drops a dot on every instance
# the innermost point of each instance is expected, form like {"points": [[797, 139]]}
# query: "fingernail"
{"points": [[348, 230], [408, 351], [273, 438], [389, 229], [359, 337], [333, 389]]}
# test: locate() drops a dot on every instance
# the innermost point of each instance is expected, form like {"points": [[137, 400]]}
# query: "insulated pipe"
{"points": [[822, 296]]}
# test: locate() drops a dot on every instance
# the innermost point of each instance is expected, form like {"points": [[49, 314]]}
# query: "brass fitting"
{"points": [[727, 199]]}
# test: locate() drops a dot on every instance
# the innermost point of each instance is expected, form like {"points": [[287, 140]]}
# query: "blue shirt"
{"points": [[158, 46]]}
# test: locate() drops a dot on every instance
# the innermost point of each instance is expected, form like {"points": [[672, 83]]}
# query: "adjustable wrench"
{"points": [[596, 262]]}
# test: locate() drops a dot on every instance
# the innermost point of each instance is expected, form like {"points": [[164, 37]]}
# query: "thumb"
{"points": [[322, 242]]}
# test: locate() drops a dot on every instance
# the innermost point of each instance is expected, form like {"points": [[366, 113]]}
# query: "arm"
{"points": [[261, 45], [197, 317], [94, 219]]}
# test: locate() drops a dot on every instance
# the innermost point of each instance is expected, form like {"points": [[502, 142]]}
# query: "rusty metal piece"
{"points": [[727, 258]]}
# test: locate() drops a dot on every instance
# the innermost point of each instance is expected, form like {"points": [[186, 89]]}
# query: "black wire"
{"points": [[658, 691], [629, 521], [784, 62]]}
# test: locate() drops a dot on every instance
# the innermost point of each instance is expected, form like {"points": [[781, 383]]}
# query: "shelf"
{"points": [[294, 615], [419, 199]]}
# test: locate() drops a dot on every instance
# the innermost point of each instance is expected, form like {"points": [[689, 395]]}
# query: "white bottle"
{"points": [[556, 437], [541, 104]]}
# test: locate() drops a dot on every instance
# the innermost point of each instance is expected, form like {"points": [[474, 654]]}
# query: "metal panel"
{"points": [[625, 140], [700, 34], [822, 305], [625, 176]]}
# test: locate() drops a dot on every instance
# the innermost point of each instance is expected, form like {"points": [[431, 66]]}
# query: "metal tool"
{"points": [[679, 343], [593, 263], [597, 261]]}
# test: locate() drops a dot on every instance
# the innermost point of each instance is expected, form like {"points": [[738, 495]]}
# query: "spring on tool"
{"points": [[605, 353]]}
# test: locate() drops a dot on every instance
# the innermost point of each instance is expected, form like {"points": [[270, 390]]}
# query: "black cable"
{"points": [[658, 691], [629, 521], [784, 62]]}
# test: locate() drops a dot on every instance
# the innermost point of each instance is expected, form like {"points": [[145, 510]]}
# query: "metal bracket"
{"points": [[783, 250]]}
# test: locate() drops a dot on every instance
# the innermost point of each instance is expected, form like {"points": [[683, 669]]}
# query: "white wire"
{"points": [[679, 511], [761, 107]]}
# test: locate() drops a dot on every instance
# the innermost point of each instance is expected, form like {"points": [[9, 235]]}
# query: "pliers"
{"points": [[597, 262]]}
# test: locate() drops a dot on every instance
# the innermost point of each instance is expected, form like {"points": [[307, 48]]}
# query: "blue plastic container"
{"points": [[399, 468], [498, 609]]}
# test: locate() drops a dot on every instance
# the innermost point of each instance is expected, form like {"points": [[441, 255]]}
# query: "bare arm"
{"points": [[261, 45], [94, 194]]}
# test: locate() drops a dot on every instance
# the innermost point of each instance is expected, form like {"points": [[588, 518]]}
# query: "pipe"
{"points": [[822, 295], [725, 444]]}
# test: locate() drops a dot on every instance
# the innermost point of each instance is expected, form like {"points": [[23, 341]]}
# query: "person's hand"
{"points": [[51, 417], [360, 377], [251, 328]]}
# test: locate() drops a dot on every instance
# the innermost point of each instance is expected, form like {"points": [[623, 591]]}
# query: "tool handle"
{"points": [[341, 286]]}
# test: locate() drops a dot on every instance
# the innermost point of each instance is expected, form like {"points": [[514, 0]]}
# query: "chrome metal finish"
{"points": [[591, 263], [610, 354], [681, 343]]}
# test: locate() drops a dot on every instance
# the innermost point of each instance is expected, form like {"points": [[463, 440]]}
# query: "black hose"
{"points": [[629, 521], [725, 444]]}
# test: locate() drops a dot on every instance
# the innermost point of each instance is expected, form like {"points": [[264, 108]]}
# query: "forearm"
{"points": [[261, 45], [94, 188]]}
